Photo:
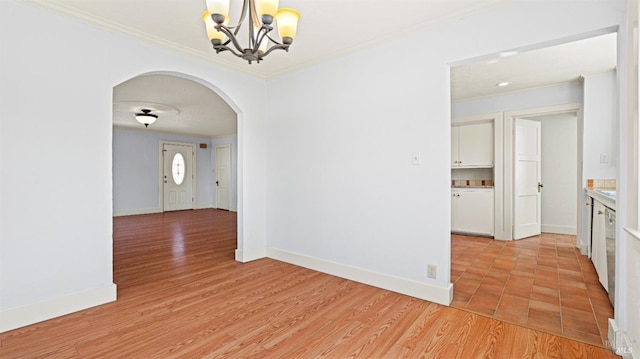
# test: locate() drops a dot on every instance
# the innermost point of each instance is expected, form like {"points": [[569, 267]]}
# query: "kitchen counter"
{"points": [[606, 196]]}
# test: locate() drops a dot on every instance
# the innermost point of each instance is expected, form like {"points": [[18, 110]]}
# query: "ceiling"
{"points": [[327, 28], [536, 68], [177, 25], [183, 106]]}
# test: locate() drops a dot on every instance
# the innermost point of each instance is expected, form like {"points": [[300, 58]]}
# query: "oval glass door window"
{"points": [[177, 168]]}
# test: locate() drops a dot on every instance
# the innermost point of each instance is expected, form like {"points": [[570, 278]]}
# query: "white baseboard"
{"points": [[33, 313], [204, 206], [409, 287], [547, 228], [620, 342], [250, 255], [583, 249], [133, 212]]}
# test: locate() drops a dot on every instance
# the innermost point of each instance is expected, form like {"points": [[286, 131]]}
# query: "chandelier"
{"points": [[261, 20]]}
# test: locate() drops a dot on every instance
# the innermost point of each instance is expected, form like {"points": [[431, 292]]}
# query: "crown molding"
{"points": [[56, 7]]}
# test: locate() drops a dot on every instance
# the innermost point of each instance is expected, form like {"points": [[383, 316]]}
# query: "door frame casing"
{"points": [[508, 168], [194, 184]]}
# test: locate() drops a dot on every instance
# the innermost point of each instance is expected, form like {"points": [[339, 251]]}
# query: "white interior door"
{"points": [[527, 177], [223, 177], [178, 173]]}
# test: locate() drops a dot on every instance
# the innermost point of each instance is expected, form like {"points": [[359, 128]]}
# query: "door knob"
{"points": [[539, 186], [217, 184]]}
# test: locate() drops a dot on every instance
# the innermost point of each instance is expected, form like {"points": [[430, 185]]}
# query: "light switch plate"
{"points": [[604, 158]]}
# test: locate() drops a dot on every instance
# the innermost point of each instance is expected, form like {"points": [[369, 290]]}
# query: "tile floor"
{"points": [[540, 282]]}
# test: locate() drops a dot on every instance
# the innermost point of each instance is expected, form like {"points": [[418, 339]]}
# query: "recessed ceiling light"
{"points": [[508, 53], [503, 84], [492, 61]]}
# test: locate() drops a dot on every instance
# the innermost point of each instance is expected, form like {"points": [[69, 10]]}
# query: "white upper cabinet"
{"points": [[472, 145]]}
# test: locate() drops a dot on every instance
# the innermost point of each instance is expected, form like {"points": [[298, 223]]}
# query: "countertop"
{"points": [[606, 196]]}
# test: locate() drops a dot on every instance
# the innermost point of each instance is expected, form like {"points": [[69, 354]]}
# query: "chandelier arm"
{"points": [[231, 37], [220, 48], [254, 14], [272, 40], [276, 47], [262, 33], [245, 4]]}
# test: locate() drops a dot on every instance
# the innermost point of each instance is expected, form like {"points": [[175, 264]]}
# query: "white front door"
{"points": [[178, 175], [223, 177], [527, 177]]}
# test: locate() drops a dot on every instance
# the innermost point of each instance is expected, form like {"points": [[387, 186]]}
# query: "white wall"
{"points": [[600, 126], [472, 174], [136, 169], [559, 173], [625, 334], [56, 137], [341, 188]]}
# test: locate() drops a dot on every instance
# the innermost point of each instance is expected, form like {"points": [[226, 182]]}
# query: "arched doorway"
{"points": [[190, 110]]}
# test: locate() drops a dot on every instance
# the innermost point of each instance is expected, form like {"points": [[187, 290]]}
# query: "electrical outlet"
{"points": [[431, 271]]}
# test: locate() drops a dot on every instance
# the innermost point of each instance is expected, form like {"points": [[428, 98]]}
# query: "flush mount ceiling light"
{"points": [[146, 117], [261, 18], [503, 84]]}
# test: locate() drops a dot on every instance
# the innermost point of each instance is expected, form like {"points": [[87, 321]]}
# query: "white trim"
{"points": [[549, 228], [250, 255], [204, 206], [473, 119], [620, 343], [633, 233], [33, 313], [129, 31], [133, 212], [405, 286], [509, 118]]}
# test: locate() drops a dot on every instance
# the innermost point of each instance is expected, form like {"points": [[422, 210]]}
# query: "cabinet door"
{"points": [[454, 147], [475, 145], [454, 211], [598, 243], [475, 211]]}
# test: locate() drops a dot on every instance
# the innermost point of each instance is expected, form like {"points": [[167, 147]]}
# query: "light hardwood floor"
{"points": [[181, 294]]}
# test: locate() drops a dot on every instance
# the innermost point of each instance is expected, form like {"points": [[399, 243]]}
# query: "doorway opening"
{"points": [[526, 281], [556, 187], [193, 116]]}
